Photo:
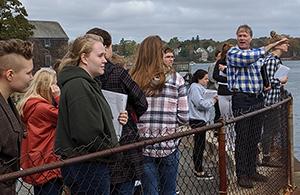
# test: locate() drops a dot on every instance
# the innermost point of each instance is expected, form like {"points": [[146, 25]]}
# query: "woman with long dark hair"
{"points": [[199, 107]]}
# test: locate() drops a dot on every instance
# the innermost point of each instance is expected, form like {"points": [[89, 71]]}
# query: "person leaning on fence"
{"points": [[212, 83], [272, 123], [15, 76], [167, 111], [224, 95], [40, 118], [125, 171], [85, 119], [245, 81], [199, 115]]}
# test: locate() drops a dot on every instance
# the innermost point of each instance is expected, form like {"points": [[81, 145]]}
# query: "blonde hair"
{"points": [[39, 87], [82, 44]]}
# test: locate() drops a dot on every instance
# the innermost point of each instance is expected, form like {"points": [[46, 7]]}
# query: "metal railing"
{"points": [[218, 158]]}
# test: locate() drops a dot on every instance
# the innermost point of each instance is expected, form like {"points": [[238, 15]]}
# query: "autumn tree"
{"points": [[13, 22]]}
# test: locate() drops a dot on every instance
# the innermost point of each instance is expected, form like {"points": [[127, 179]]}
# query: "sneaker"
{"points": [[245, 182], [203, 175], [259, 177]]}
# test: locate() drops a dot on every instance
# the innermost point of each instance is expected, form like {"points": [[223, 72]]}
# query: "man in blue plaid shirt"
{"points": [[245, 81]]}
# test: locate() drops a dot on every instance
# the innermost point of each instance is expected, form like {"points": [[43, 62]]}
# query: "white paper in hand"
{"points": [[117, 103], [281, 72], [210, 94]]}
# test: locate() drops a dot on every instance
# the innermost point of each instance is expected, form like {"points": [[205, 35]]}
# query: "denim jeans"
{"points": [[126, 188], [87, 178], [52, 187], [160, 174]]}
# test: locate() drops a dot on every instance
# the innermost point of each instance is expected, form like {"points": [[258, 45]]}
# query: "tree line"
{"points": [[192, 49]]}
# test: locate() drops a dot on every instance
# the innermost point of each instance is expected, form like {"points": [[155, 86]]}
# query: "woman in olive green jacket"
{"points": [[85, 119]]}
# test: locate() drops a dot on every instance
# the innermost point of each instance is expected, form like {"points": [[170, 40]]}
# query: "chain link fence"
{"points": [[215, 148]]}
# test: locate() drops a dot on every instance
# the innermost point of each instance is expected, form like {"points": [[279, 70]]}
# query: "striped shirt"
{"points": [[272, 64], [243, 69], [166, 112]]}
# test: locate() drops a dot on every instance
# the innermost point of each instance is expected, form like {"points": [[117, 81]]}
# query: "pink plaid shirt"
{"points": [[166, 112]]}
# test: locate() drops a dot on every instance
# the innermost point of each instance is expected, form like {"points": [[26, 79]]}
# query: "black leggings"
{"points": [[199, 144]]}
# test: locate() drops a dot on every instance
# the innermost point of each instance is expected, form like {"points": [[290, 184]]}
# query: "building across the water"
{"points": [[50, 43]]}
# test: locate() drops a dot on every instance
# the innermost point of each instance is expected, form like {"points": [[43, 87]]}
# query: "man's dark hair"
{"points": [[103, 33]]}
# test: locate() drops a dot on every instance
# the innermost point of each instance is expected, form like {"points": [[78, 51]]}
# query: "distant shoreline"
{"points": [[291, 59]]}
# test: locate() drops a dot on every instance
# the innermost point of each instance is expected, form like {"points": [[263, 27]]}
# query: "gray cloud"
{"points": [[136, 19]]}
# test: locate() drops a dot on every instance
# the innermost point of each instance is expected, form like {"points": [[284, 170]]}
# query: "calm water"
{"points": [[294, 80]]}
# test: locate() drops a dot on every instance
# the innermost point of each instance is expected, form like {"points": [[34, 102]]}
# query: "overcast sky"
{"points": [[136, 19]]}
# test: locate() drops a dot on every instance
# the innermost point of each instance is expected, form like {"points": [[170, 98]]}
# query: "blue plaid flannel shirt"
{"points": [[243, 69]]}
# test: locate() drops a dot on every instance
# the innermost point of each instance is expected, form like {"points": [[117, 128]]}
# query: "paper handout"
{"points": [[117, 103], [281, 72], [210, 94]]}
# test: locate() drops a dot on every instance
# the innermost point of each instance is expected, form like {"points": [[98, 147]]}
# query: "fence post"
{"points": [[290, 134], [222, 159]]}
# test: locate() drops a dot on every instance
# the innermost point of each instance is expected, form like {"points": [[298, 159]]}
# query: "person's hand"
{"points": [[268, 88], [55, 91], [282, 41], [271, 45], [215, 99], [283, 80], [222, 67], [123, 118]]}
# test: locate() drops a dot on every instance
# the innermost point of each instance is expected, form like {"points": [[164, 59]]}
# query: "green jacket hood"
{"points": [[73, 72]]}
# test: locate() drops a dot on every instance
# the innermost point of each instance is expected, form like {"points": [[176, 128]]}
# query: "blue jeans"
{"points": [[87, 178], [160, 174], [125, 188], [52, 187]]}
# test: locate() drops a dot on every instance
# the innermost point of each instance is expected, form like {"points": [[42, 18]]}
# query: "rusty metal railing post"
{"points": [[290, 135], [222, 159]]}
